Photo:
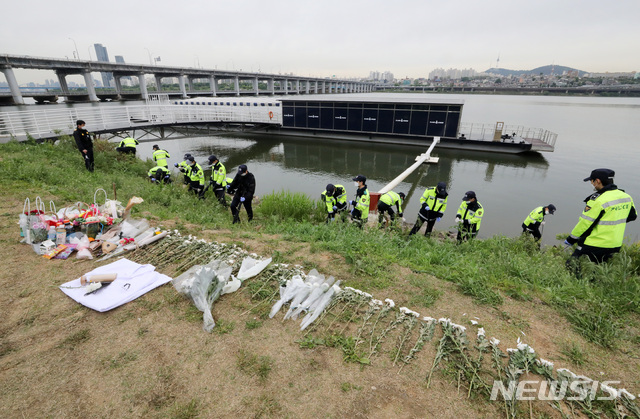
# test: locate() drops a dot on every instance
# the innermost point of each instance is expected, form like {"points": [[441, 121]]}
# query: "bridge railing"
{"points": [[48, 123]]}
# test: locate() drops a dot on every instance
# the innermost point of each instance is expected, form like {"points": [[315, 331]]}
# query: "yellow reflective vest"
{"points": [[471, 215], [160, 157], [603, 221], [362, 202], [391, 198], [196, 174], [339, 197], [153, 170], [219, 174], [434, 202], [129, 142]]}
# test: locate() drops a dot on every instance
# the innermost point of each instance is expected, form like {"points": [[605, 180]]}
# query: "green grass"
{"points": [[75, 339], [598, 304], [252, 364], [574, 354]]}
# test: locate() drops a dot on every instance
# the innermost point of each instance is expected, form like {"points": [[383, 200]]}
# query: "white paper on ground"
{"points": [[133, 281]]}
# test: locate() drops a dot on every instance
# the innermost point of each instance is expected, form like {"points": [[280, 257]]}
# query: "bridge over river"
{"points": [[272, 83]]}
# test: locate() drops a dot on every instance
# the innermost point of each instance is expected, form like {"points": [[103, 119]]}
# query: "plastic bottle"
{"points": [[52, 234]]}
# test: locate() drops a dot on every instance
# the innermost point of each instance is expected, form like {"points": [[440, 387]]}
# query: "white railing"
{"points": [[486, 132], [47, 123]]}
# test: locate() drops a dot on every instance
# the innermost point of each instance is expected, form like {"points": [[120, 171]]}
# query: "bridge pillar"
{"points": [[158, 83], [182, 86], [63, 84], [118, 83], [308, 86], [214, 85], [91, 90], [143, 86], [236, 84], [256, 86], [286, 86], [13, 86], [271, 86]]}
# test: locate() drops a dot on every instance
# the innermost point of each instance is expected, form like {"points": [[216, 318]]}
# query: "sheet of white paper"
{"points": [[133, 280]]}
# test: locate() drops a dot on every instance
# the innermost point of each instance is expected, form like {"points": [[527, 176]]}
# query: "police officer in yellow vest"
{"points": [[600, 229], [386, 204], [182, 166], [335, 200], [360, 211], [469, 216], [535, 219], [160, 156], [196, 176], [159, 174], [128, 146], [218, 179], [433, 203]]}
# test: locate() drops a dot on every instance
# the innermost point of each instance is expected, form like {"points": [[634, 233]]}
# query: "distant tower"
{"points": [[102, 55], [498, 61]]}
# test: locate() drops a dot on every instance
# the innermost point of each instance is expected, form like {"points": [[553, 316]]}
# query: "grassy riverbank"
{"points": [[512, 285], [598, 304]]}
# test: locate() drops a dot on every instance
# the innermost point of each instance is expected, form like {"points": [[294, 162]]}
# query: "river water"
{"points": [[592, 132]]}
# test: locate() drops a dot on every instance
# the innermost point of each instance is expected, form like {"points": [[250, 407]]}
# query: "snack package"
{"points": [[55, 251]]}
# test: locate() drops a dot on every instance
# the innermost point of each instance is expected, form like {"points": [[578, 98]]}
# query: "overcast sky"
{"points": [[345, 38]]}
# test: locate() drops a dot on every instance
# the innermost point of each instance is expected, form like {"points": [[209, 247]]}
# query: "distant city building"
{"points": [[452, 73], [103, 55], [384, 77]]}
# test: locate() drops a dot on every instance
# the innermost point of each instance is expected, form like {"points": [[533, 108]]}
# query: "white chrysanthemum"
{"points": [[390, 302], [545, 363], [428, 319], [494, 341], [610, 390], [459, 327], [473, 322], [367, 295], [624, 392], [512, 350], [403, 310], [481, 332], [444, 320], [567, 372], [375, 302]]}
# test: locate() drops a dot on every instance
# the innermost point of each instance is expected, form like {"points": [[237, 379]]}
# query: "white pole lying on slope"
{"points": [[419, 160]]}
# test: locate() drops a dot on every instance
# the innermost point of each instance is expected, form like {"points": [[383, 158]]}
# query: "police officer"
{"points": [[469, 217], [196, 176], [128, 146], [84, 144], [160, 156], [159, 174], [433, 203], [600, 229], [532, 223], [182, 166], [360, 211], [335, 200], [218, 179], [243, 187], [386, 204]]}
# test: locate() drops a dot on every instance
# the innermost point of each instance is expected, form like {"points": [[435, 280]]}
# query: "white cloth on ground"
{"points": [[133, 280]]}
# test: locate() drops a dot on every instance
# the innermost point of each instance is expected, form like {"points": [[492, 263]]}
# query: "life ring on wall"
{"points": [[270, 115]]}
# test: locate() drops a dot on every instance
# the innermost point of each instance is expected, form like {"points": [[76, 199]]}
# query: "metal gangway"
{"points": [[156, 113]]}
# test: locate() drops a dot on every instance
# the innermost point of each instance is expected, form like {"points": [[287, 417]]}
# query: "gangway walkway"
{"points": [[51, 123]]}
